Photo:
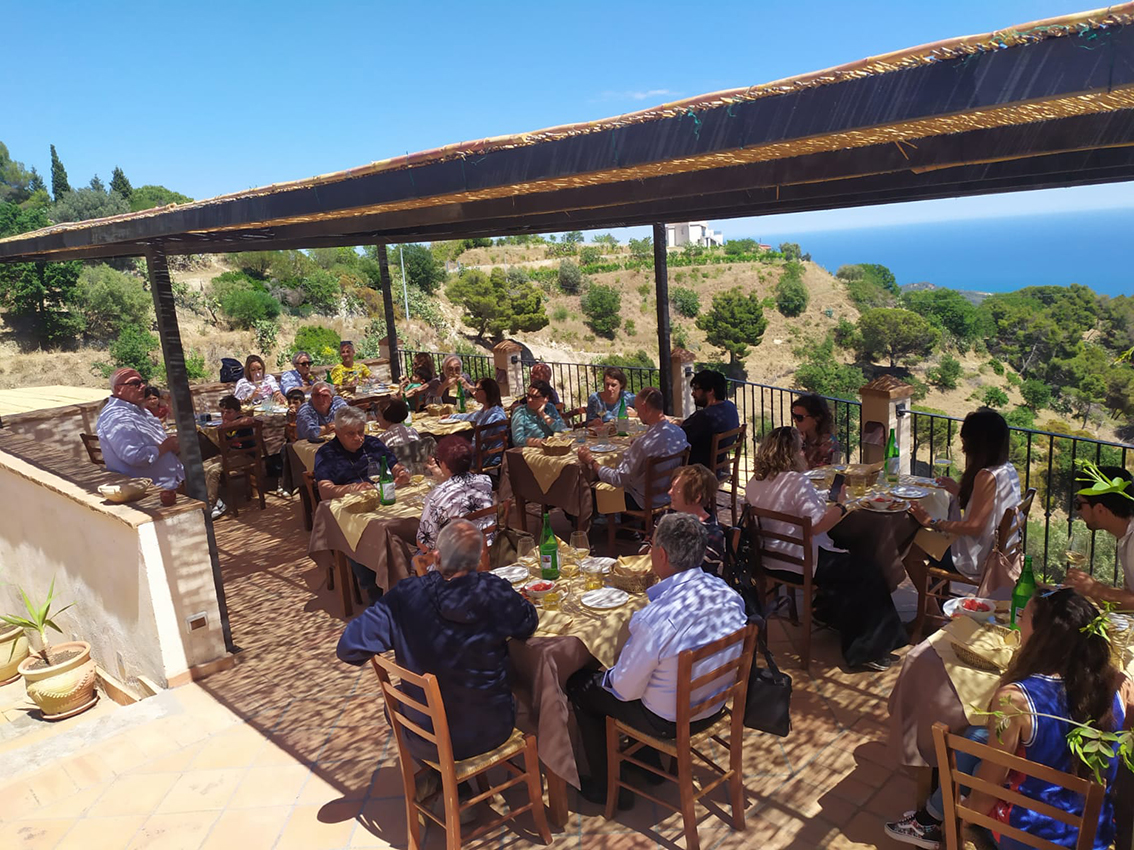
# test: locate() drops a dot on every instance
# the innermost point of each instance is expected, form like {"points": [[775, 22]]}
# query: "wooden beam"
{"points": [[661, 284], [388, 307], [178, 380]]}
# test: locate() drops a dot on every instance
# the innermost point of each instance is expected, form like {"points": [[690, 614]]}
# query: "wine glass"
{"points": [[942, 460], [1078, 547], [526, 553], [580, 544], [373, 472]]}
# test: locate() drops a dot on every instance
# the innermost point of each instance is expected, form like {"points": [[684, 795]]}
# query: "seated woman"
{"points": [[154, 403], [813, 420], [987, 489], [693, 490], [422, 387], [538, 419], [603, 406], [487, 394], [457, 494], [392, 420], [1063, 668], [257, 385], [853, 597], [452, 375]]}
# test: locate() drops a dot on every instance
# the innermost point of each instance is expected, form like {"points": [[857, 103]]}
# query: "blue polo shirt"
{"points": [[335, 464]]}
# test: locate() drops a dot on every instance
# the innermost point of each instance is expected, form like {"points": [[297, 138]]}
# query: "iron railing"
{"points": [[476, 366], [576, 381], [765, 407], [1045, 460]]}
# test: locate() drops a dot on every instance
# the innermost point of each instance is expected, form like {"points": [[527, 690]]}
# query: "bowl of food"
{"points": [[970, 606], [539, 588], [125, 491]]}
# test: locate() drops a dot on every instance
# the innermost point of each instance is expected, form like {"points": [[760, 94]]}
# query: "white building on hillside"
{"points": [[697, 232]]}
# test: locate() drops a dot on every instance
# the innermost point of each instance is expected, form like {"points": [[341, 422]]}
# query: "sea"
{"points": [[1095, 249]]}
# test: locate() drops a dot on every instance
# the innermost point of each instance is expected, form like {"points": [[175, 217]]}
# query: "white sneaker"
{"points": [[218, 509]]}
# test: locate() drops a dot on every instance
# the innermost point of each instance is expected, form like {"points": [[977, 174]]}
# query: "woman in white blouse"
{"points": [[459, 492], [853, 595], [257, 385]]}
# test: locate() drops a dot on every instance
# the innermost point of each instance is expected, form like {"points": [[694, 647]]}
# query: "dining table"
{"points": [[382, 537], [568, 639]]}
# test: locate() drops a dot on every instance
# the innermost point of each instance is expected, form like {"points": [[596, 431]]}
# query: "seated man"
{"points": [[1113, 513], [342, 467], [538, 419], [316, 418], [715, 414], [661, 440], [300, 377], [346, 375], [688, 608], [453, 622]]}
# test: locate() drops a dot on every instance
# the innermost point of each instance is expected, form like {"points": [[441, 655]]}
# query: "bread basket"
{"points": [[557, 446], [125, 491], [634, 577]]}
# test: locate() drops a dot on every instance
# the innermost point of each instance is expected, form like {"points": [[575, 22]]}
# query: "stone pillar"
{"points": [[882, 398], [384, 348], [681, 370], [509, 370]]}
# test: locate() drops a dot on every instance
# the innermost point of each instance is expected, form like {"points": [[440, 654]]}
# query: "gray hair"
{"points": [[459, 546], [322, 385], [349, 417], [297, 355], [452, 358], [683, 538]]}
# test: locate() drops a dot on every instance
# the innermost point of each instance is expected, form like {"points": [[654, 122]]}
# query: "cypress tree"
{"points": [[120, 184], [59, 184]]}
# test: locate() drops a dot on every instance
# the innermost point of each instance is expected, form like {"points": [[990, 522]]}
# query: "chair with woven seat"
{"points": [[489, 443], [659, 472], [725, 456], [947, 745], [771, 580], [733, 678], [404, 712], [242, 456], [94, 450], [938, 582]]}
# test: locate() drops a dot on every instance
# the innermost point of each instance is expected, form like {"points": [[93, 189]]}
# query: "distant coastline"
{"points": [[1095, 249]]}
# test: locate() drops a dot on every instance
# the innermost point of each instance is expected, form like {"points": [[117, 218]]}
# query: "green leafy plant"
{"points": [[1097, 483], [39, 620]]}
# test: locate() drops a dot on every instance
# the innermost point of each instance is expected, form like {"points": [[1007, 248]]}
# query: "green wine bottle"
{"points": [[893, 459], [460, 396], [1025, 590], [385, 485], [622, 423], [548, 551]]}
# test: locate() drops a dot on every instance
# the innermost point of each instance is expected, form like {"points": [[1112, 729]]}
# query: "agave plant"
{"points": [[39, 619]]}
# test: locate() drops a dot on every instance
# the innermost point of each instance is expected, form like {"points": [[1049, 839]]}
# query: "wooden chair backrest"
{"points": [[576, 417], [1010, 532], [948, 745], [489, 441], [800, 536], [659, 473], [725, 451], [499, 513], [398, 701], [234, 447], [94, 450], [732, 676], [312, 488]]}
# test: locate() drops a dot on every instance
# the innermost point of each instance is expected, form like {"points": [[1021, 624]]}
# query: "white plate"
{"points": [[514, 573], [605, 564], [600, 448], [954, 608], [891, 507], [607, 597], [816, 474], [906, 492]]}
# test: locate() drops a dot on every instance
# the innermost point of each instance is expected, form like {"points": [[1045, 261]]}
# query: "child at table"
{"points": [[295, 399]]}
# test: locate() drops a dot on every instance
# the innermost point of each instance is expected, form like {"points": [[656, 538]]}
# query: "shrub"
{"points": [[994, 397], [685, 301], [997, 366], [847, 335], [602, 306], [946, 374], [368, 347], [111, 300], [570, 277], [322, 343], [245, 307], [321, 290], [629, 327], [561, 314], [791, 293], [644, 289], [133, 348], [1037, 394], [266, 331], [589, 255]]}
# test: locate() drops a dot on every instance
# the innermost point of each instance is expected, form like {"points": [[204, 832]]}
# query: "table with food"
{"points": [[584, 617], [381, 537]]}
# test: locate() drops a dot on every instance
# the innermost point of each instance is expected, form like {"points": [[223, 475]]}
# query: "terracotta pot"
{"points": [[62, 689], [13, 650], [168, 497]]}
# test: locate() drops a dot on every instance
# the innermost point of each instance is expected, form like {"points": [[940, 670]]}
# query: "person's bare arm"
{"points": [[980, 507], [1007, 740], [329, 491], [1093, 589]]}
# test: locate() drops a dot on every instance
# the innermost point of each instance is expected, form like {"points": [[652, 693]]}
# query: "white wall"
{"points": [[134, 575]]}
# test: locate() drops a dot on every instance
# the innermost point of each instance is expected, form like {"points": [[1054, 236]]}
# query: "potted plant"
{"points": [[60, 679], [13, 650]]}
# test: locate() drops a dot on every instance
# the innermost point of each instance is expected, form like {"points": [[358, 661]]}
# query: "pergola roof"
{"points": [[1040, 105]]}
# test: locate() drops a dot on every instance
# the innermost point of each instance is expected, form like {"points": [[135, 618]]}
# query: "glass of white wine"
{"points": [[374, 472], [1078, 547], [942, 460]]}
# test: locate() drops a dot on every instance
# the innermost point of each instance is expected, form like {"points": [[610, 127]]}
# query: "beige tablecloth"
{"points": [[305, 453], [423, 423], [356, 511]]}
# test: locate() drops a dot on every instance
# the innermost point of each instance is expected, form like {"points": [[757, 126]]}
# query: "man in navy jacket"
{"points": [[455, 623]]}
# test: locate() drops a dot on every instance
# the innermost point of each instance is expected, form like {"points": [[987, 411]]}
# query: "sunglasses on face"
{"points": [[1080, 504], [798, 417], [303, 363], [133, 382]]}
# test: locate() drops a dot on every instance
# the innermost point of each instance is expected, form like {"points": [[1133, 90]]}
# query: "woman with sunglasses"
{"points": [[1063, 668], [812, 418], [300, 377]]}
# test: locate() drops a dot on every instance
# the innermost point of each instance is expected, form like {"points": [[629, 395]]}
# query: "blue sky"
{"points": [[210, 97]]}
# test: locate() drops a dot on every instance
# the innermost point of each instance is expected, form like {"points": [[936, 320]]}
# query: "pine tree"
{"points": [[120, 184], [36, 183], [98, 185], [59, 184]]}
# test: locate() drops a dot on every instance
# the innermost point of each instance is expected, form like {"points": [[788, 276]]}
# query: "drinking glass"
{"points": [[550, 601], [580, 544], [858, 484], [373, 472], [1078, 546], [592, 577], [942, 461]]}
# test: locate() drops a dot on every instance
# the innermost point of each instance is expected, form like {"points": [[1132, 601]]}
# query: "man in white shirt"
{"points": [[641, 689], [1114, 514], [661, 440]]}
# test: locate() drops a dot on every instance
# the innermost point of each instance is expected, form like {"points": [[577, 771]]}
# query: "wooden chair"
{"points": [[772, 580], [576, 417], [404, 712], [947, 745], [725, 455], [242, 457], [659, 472], [489, 443], [938, 582], [682, 748], [499, 513], [94, 450]]}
